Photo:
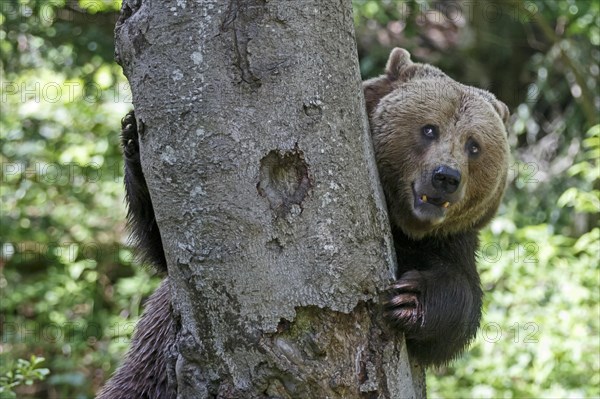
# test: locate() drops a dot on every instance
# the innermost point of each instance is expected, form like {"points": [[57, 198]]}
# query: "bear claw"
{"points": [[403, 308], [409, 285], [129, 135], [403, 300], [404, 316]]}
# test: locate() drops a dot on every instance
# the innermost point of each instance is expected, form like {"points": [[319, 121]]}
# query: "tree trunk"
{"points": [[256, 150]]}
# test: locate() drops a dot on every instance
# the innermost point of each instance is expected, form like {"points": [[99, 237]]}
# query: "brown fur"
{"points": [[143, 373], [437, 298]]}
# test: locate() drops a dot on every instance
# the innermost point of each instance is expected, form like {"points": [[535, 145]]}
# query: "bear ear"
{"points": [[398, 62], [500, 108], [503, 111], [377, 88]]}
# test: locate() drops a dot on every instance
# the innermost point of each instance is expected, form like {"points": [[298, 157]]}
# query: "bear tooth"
{"points": [[424, 198], [446, 204]]}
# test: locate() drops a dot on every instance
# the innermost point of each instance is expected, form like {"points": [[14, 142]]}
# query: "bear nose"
{"points": [[445, 179]]}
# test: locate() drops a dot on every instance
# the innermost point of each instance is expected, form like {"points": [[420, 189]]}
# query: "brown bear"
{"points": [[442, 154]]}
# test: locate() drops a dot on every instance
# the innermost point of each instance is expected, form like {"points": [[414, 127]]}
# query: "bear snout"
{"points": [[437, 190], [445, 179]]}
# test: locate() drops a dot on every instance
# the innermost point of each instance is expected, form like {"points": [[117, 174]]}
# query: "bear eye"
{"points": [[430, 131], [473, 148]]}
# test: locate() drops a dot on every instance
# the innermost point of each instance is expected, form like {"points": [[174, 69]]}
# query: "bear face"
{"points": [[441, 148]]}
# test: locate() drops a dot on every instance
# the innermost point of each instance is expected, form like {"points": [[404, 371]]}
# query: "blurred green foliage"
{"points": [[71, 290], [24, 372]]}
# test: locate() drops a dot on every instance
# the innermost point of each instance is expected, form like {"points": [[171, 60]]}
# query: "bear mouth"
{"points": [[429, 208], [437, 201]]}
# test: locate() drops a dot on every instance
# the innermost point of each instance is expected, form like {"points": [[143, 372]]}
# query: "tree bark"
{"points": [[256, 150]]}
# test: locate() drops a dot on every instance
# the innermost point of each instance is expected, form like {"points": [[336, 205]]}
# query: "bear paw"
{"points": [[129, 135], [404, 307]]}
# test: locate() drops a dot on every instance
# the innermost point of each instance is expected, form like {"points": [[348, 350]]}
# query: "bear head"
{"points": [[441, 148]]}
